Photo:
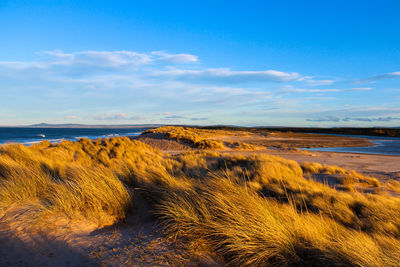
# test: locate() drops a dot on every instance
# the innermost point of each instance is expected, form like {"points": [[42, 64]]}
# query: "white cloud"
{"points": [[98, 58], [325, 119], [116, 58], [125, 82], [175, 58], [230, 76], [362, 119], [292, 89], [312, 82]]}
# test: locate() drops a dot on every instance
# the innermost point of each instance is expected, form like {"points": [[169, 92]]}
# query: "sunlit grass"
{"points": [[202, 138], [252, 210]]}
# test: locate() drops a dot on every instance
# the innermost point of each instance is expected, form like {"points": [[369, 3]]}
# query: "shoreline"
{"points": [[356, 153]]}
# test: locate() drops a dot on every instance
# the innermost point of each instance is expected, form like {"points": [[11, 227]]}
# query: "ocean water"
{"points": [[382, 146], [34, 135]]}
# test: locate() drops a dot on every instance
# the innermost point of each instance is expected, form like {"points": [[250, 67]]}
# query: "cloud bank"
{"points": [[337, 119], [117, 85]]}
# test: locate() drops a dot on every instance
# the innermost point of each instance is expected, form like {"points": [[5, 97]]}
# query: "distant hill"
{"points": [[373, 131], [72, 125]]}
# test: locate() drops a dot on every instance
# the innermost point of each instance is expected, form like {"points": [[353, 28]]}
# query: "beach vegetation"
{"points": [[242, 209]]}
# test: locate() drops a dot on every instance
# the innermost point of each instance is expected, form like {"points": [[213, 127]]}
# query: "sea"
{"points": [[28, 136], [382, 146]]}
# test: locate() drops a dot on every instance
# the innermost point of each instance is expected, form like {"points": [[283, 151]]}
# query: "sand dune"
{"points": [[210, 198]]}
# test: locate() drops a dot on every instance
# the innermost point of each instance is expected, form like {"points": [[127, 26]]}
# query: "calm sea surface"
{"points": [[35, 135], [382, 146]]}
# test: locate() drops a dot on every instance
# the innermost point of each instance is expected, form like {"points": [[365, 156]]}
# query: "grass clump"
{"points": [[242, 146], [195, 137], [353, 177], [315, 167], [202, 138], [346, 177]]}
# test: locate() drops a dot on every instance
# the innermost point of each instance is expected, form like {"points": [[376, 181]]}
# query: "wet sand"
{"points": [[295, 140]]}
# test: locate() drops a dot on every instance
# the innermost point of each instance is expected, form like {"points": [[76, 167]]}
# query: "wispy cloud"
{"points": [[325, 90], [118, 85], [199, 119], [361, 114], [100, 59], [375, 78], [325, 119], [312, 82], [380, 119], [174, 117], [227, 75], [366, 119], [175, 58]]}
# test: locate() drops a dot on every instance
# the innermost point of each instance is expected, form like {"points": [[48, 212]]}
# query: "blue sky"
{"points": [[294, 63]]}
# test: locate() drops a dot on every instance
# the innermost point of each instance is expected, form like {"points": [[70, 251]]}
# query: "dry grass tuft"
{"points": [[202, 138], [242, 146], [314, 167], [347, 177], [393, 185], [195, 137]]}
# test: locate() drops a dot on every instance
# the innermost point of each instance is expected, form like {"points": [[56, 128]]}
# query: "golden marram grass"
{"points": [[245, 210]]}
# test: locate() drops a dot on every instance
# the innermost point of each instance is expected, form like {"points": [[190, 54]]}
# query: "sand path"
{"points": [[136, 242]]}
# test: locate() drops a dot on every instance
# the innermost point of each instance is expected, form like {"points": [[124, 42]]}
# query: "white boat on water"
{"points": [[42, 135]]}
